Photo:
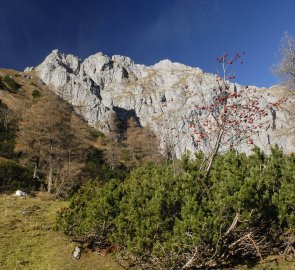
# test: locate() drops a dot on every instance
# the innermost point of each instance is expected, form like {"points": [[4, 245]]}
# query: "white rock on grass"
{"points": [[21, 193], [77, 253]]}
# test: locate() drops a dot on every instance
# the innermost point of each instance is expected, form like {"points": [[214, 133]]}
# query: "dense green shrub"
{"points": [[36, 93], [92, 210], [7, 145], [7, 132], [2, 84], [166, 220], [97, 168], [148, 210], [14, 176], [96, 133], [10, 84]]}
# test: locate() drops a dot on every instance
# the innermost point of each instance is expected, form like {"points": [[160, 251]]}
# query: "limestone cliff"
{"points": [[160, 95]]}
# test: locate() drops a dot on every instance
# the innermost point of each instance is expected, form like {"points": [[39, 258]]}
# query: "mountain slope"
{"points": [[32, 118], [159, 96]]}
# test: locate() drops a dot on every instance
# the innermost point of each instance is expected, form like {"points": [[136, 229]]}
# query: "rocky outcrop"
{"points": [[28, 69], [160, 95]]}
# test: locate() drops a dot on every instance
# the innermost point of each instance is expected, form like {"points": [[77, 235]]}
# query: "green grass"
{"points": [[270, 263], [29, 241]]}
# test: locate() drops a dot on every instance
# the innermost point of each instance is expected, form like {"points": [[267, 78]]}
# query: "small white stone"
{"points": [[21, 193], [77, 253]]}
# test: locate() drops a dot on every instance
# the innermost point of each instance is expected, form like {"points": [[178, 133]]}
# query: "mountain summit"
{"points": [[158, 96]]}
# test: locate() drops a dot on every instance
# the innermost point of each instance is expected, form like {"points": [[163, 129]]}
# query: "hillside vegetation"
{"points": [[44, 134], [244, 211], [29, 240], [126, 199]]}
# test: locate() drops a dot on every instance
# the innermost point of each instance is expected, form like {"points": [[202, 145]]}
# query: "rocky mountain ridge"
{"points": [[159, 96]]}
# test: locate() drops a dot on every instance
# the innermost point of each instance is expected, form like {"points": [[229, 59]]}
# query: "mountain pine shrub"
{"points": [[8, 129], [10, 84], [163, 220], [36, 93]]}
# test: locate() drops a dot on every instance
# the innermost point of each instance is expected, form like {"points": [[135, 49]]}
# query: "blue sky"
{"points": [[192, 32]]}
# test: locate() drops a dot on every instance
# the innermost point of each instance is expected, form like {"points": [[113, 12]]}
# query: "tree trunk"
{"points": [[35, 175], [50, 170], [214, 153], [50, 179]]}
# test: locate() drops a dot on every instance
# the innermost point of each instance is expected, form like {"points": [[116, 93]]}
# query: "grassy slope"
{"points": [[28, 241]]}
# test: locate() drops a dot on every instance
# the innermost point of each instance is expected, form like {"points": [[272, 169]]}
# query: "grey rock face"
{"points": [[161, 96]]}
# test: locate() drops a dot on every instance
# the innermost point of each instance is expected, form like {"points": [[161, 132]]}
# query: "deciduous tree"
{"points": [[228, 115], [50, 139], [286, 68]]}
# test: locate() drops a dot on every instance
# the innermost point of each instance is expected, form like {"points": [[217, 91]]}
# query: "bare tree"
{"points": [[49, 139], [142, 142], [285, 70]]}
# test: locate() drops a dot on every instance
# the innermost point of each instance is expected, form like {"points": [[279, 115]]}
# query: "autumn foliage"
{"points": [[230, 115]]}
